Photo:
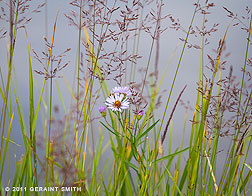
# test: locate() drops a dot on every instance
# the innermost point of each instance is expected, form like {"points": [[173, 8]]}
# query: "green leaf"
{"points": [[109, 129], [148, 130]]}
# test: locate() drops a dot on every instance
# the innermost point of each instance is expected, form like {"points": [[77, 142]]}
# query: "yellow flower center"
{"points": [[117, 104]]}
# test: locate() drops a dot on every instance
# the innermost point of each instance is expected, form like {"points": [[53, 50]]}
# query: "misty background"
{"points": [[66, 36]]}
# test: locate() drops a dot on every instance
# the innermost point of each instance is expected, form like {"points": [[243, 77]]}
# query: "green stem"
{"points": [[12, 39]]}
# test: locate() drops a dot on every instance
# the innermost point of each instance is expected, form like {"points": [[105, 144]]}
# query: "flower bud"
{"points": [[140, 115], [102, 110]]}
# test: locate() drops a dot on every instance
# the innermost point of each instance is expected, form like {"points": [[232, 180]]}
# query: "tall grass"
{"points": [[127, 148]]}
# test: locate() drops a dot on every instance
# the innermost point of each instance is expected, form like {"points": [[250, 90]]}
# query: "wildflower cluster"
{"points": [[119, 100]]}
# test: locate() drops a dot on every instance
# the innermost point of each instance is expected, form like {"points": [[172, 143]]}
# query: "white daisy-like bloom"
{"points": [[117, 102], [122, 90]]}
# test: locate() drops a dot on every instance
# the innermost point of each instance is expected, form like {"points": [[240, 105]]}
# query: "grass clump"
{"points": [[114, 136]]}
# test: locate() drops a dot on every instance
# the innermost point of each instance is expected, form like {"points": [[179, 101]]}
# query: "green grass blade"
{"points": [[175, 184], [248, 166], [171, 155], [60, 96], [6, 145]]}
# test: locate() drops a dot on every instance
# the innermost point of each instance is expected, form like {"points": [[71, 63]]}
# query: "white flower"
{"points": [[117, 102], [122, 90]]}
